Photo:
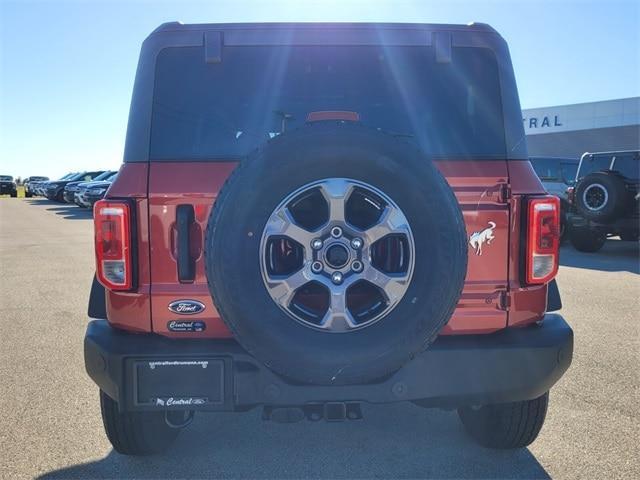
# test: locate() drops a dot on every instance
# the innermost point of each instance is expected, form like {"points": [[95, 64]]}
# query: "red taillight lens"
{"points": [[543, 239], [112, 226]]}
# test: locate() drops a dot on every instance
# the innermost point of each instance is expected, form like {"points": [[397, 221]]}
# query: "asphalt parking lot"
{"points": [[50, 425]]}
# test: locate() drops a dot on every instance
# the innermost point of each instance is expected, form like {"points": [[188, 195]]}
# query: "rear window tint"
{"points": [[216, 110], [628, 165]]}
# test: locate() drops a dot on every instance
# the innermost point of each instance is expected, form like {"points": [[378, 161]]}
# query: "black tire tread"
{"points": [[586, 240], [135, 433], [449, 294], [618, 196], [508, 425]]}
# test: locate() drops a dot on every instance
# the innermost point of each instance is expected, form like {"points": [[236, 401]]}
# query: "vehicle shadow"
{"points": [[615, 256], [73, 212], [68, 211], [396, 441], [43, 202]]}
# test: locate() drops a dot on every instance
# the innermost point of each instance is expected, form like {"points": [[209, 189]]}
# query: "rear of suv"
{"points": [[605, 199], [8, 186], [314, 216]]}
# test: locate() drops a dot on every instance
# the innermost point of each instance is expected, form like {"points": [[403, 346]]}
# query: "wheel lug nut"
{"points": [[316, 267], [336, 278], [336, 232], [316, 244], [356, 266], [356, 243]]}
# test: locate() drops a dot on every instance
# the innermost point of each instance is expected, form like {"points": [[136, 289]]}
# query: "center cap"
{"points": [[337, 255]]}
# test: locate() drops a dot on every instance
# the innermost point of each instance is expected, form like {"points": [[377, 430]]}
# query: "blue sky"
{"points": [[67, 68]]}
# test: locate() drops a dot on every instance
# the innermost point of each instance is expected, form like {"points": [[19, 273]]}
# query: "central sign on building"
{"points": [[571, 130]]}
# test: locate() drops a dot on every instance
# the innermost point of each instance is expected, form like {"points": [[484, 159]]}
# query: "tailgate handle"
{"points": [[186, 263]]}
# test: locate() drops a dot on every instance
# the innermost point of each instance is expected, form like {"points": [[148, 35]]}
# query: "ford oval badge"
{"points": [[186, 307]]}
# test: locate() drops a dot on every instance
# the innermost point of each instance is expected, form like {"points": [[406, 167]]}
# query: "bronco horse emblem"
{"points": [[477, 239]]}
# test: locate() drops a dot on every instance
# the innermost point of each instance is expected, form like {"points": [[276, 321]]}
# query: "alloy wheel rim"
{"points": [[595, 197], [337, 255]]}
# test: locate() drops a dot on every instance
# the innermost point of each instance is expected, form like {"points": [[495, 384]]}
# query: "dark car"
{"points": [[71, 188], [55, 190], [8, 186], [605, 200], [90, 192], [314, 216], [40, 188], [30, 182], [557, 175]]}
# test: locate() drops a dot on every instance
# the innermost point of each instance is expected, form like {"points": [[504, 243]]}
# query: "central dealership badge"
{"points": [[186, 326], [477, 239], [186, 307]]}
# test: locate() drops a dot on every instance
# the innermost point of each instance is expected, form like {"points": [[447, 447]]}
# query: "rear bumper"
{"points": [[621, 224], [141, 371]]}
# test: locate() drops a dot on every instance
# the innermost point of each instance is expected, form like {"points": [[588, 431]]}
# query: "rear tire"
{"points": [[28, 194], [585, 239], [507, 425], [601, 197], [14, 194], [135, 433]]}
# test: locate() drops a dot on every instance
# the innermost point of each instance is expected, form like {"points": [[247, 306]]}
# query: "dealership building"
{"points": [[570, 130]]}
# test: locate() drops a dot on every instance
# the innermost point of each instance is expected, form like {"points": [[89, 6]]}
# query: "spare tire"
{"points": [[601, 196], [335, 253]]}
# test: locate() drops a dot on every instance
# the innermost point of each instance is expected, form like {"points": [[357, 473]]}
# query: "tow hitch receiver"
{"points": [[331, 412]]}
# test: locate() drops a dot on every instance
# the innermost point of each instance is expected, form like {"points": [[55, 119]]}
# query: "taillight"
{"points": [[543, 239], [111, 219]]}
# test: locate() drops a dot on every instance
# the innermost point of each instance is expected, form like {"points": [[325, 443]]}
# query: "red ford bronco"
{"points": [[314, 216]]}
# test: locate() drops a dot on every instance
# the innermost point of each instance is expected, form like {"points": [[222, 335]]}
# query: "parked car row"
{"points": [[80, 188], [599, 195], [29, 184]]}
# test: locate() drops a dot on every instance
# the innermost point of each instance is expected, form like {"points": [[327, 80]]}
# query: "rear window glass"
{"points": [[628, 165], [5, 178], [216, 110], [103, 175]]}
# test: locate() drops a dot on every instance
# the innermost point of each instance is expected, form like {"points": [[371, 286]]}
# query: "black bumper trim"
{"points": [[513, 364]]}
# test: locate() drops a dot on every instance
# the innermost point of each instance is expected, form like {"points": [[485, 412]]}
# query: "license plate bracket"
{"points": [[179, 383]]}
